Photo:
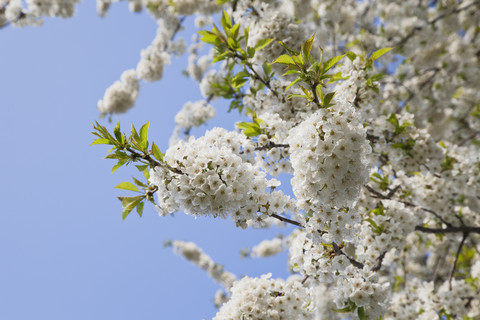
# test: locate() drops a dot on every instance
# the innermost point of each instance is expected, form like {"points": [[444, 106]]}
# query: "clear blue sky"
{"points": [[65, 252]]}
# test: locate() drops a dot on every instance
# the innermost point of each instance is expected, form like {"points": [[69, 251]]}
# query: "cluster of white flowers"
{"points": [[194, 254], [212, 175], [16, 13], [422, 301], [385, 228], [265, 298], [121, 95], [328, 154], [268, 248], [194, 114]]}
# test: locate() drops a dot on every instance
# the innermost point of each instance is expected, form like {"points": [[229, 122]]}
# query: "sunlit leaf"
{"points": [[127, 186]]}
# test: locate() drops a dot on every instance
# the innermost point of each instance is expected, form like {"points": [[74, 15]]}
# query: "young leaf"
{"points": [[156, 152], [262, 43], [328, 98], [352, 56], [101, 141], [267, 68], [142, 167], [144, 136], [361, 313], [209, 37], [139, 183], [290, 50], [377, 54], [226, 21], [134, 135], [293, 83], [129, 203], [307, 47], [285, 59], [291, 72], [127, 186], [331, 62], [118, 165], [118, 133], [140, 208]]}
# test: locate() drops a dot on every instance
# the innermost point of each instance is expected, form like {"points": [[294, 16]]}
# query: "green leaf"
{"points": [[377, 54], [293, 83], [267, 68], [307, 47], [296, 96], [222, 1], [245, 34], [140, 208], [328, 98], [157, 153], [118, 165], [331, 62], [291, 72], [146, 174], [129, 203], [210, 37], [393, 119], [290, 50], [458, 93], [350, 55], [251, 129], [139, 183], [361, 313], [118, 133], [250, 52], [319, 92], [141, 167], [262, 43], [235, 29], [285, 59], [127, 186], [134, 135], [226, 21], [101, 141], [376, 77], [144, 136]]}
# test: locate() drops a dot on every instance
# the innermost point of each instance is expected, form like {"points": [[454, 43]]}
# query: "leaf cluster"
{"points": [[313, 74], [134, 148]]}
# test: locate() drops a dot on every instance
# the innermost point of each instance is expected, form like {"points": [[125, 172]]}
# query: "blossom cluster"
{"points": [[214, 175]]}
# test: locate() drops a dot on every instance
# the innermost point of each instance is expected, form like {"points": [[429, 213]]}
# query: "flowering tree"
{"points": [[372, 108]]}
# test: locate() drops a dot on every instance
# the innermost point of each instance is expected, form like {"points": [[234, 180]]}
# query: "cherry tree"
{"points": [[373, 110]]}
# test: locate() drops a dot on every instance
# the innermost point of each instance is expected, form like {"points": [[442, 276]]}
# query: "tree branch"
{"points": [[454, 265], [452, 229], [295, 223]]}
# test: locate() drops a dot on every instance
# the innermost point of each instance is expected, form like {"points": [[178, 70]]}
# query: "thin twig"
{"points": [[271, 145], [454, 265], [339, 252], [295, 223]]}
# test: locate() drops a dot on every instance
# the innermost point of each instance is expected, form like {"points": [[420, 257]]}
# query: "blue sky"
{"points": [[65, 252]]}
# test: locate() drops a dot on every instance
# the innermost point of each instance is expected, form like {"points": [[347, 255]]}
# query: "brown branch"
{"points": [[339, 252], [378, 264], [283, 219], [379, 195], [271, 145], [454, 265], [452, 229]]}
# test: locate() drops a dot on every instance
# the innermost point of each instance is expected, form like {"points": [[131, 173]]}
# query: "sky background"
{"points": [[65, 252]]}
